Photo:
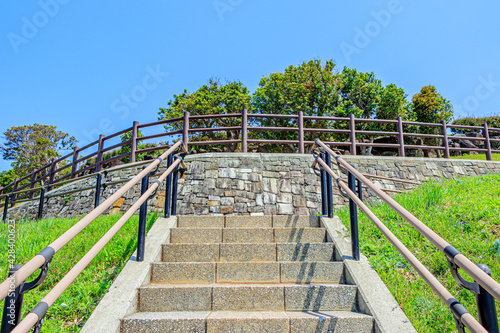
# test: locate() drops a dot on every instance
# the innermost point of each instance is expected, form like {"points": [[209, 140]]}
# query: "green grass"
{"points": [[482, 157], [73, 308], [464, 212]]}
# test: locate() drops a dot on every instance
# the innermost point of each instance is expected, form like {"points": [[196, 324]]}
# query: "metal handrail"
{"points": [[492, 286], [34, 316], [40, 259], [458, 310]]}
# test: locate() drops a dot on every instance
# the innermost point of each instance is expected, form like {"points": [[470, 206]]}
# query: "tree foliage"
{"points": [[211, 98], [493, 122], [33, 146], [430, 106]]}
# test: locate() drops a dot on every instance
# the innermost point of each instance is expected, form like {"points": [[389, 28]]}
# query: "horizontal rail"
{"points": [[325, 130], [466, 318], [274, 141], [121, 144], [36, 262], [72, 180], [257, 128], [463, 262], [215, 142], [421, 135], [70, 192], [159, 135], [160, 122], [216, 116], [145, 150], [326, 118], [376, 121], [118, 133], [214, 129], [277, 116], [32, 318]]}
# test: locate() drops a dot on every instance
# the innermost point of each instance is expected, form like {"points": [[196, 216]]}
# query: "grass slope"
{"points": [[464, 212], [481, 157], [75, 305]]}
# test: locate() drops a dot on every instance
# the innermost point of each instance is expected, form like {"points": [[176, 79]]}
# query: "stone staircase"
{"points": [[248, 274]]}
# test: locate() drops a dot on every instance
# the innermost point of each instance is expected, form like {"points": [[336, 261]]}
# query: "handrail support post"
{"points": [[324, 197], [141, 237], [244, 130], [329, 190], [487, 143], [486, 306], [40, 203], [175, 181], [13, 306], [5, 208], [98, 183], [168, 188], [353, 213]]}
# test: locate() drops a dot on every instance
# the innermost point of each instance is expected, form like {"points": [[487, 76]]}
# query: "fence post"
{"points": [[32, 183], [133, 144], [445, 139], [244, 131], [486, 306], [100, 147], [168, 188], [52, 175], [329, 191], [141, 237], [74, 164], [353, 213], [401, 138], [40, 203], [14, 189], [175, 181], [324, 197], [185, 128], [352, 134], [487, 143], [97, 197], [301, 132]]}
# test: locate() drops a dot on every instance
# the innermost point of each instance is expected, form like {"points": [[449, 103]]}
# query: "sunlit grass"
{"points": [[75, 305], [464, 212], [481, 157]]}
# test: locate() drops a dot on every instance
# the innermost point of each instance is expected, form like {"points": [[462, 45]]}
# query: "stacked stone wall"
{"points": [[253, 184]]}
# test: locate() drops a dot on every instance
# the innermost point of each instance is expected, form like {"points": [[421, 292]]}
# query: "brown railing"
{"points": [[51, 173], [484, 287], [15, 285]]}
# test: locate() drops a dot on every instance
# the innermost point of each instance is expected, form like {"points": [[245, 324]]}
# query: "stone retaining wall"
{"points": [[255, 184]]}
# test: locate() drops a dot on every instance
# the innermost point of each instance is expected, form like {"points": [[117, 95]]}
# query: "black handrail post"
{"points": [[40, 204], [353, 212], [360, 189], [324, 198], [5, 208], [98, 182], [168, 187], [175, 180], [486, 306], [141, 239], [329, 191], [13, 306]]}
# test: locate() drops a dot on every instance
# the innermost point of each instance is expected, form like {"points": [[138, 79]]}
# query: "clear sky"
{"points": [[94, 67]]}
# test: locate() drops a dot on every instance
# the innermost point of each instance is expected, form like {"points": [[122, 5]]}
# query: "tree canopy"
{"points": [[33, 146]]}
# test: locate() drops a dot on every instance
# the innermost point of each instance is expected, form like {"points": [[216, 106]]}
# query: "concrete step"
{"points": [[254, 297], [295, 221], [249, 221], [268, 221], [247, 272], [251, 321], [247, 235], [245, 252]]}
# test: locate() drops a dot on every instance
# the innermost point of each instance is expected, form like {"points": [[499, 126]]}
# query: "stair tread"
{"points": [[159, 285], [212, 314]]}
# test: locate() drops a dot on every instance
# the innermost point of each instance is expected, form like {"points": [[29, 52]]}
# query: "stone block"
{"points": [[329, 321], [247, 252], [260, 321], [164, 298], [285, 208], [200, 221], [247, 298], [321, 297], [185, 272], [249, 222], [293, 221], [312, 272], [146, 322], [227, 209], [305, 251], [190, 252], [248, 272], [195, 235], [248, 235]]}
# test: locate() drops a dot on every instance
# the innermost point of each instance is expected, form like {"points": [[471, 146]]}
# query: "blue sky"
{"points": [[73, 63]]}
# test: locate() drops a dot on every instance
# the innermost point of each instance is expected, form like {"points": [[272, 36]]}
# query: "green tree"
{"points": [[431, 107], [310, 87], [7, 177], [33, 146], [209, 99]]}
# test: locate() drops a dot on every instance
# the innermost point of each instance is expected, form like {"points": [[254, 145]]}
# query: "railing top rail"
{"points": [[453, 254], [36, 262], [160, 122]]}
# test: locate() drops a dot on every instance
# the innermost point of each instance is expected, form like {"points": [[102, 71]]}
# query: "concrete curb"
{"points": [[373, 298], [121, 299]]}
